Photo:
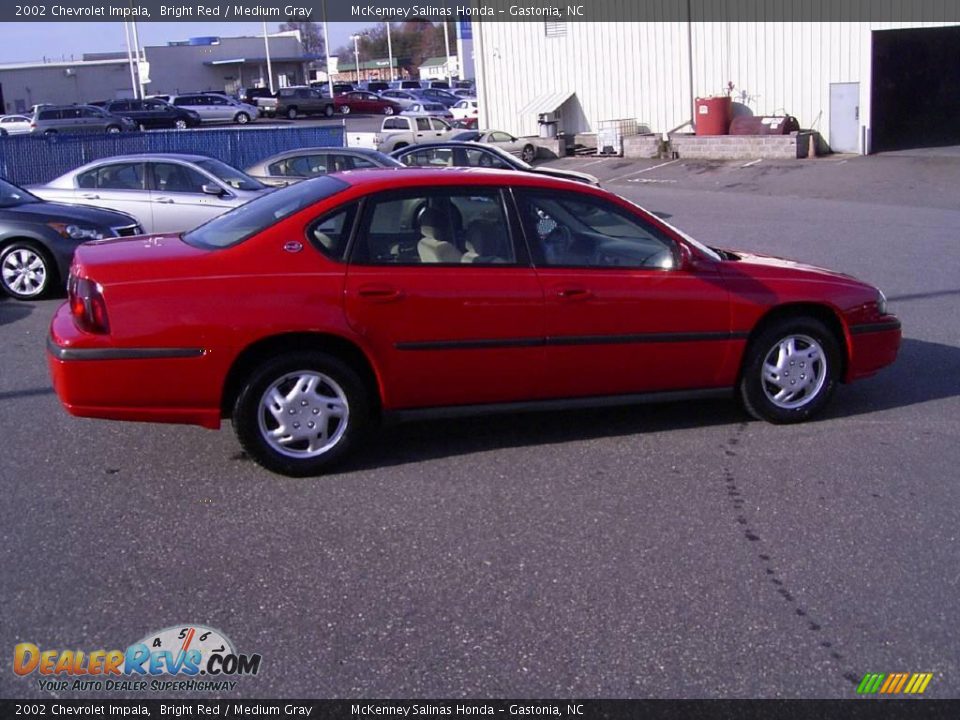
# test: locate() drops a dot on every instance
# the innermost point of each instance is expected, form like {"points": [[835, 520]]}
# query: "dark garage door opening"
{"points": [[915, 88]]}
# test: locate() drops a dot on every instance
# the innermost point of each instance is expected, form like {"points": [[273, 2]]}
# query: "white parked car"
{"points": [[429, 108], [14, 125], [465, 110], [164, 192], [214, 107]]}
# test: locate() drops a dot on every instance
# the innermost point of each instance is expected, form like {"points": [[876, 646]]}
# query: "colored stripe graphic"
{"points": [[895, 683]]}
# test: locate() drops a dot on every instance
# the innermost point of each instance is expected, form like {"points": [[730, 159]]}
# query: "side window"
{"points": [[423, 123], [579, 231], [394, 124], [439, 124], [298, 166], [435, 226], [331, 232], [480, 158], [498, 137], [359, 162], [435, 157], [89, 112], [122, 106], [171, 177], [121, 176]]}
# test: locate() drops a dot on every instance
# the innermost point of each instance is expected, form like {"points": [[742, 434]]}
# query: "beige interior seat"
{"points": [[435, 245]]}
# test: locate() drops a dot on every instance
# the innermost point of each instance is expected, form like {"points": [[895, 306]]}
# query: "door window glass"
{"points": [[171, 177]]}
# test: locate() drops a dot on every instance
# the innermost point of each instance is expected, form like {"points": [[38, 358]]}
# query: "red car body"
{"points": [[361, 101], [182, 327]]}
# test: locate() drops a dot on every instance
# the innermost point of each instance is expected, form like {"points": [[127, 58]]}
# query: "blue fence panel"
{"points": [[28, 159]]}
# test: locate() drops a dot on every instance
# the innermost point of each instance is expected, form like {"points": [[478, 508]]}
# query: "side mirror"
{"points": [[211, 189]]}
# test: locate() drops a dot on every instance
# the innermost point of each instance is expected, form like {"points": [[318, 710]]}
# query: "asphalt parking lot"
{"points": [[655, 551]]}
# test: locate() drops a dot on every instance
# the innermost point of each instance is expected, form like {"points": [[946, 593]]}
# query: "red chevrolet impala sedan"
{"points": [[312, 312]]}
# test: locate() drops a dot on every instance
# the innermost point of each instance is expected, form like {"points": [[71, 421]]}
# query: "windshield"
{"points": [[11, 195], [230, 175], [259, 214], [709, 252]]}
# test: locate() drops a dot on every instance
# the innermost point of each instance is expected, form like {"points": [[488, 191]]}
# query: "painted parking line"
{"points": [[752, 162], [638, 172]]}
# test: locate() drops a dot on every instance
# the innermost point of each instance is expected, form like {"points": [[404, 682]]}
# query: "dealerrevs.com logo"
{"points": [[199, 657]]}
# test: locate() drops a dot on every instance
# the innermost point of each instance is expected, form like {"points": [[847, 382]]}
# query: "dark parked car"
{"points": [[435, 94], [293, 101], [472, 154], [37, 239], [154, 114]]}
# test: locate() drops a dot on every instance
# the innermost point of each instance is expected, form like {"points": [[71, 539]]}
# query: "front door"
{"points": [[622, 315], [442, 296], [845, 117]]}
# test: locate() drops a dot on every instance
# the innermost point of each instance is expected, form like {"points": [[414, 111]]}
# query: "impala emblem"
{"points": [[293, 246]]}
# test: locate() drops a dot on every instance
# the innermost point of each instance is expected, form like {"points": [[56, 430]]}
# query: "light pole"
{"points": [[390, 52], [446, 42], [356, 54], [266, 47], [326, 50]]}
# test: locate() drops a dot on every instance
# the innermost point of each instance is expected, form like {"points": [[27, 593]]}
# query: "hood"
{"points": [[54, 212], [568, 175], [767, 265]]}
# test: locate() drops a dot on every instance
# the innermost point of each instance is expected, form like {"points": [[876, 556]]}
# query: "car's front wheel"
{"points": [[790, 371], [300, 413], [528, 154], [25, 271], [180, 124], [113, 129], [291, 113], [242, 118]]}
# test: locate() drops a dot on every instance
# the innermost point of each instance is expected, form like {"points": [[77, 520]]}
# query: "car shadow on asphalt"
{"points": [[420, 440], [924, 371], [11, 310], [908, 381]]}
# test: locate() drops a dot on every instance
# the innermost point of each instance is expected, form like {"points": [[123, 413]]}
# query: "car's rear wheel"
{"points": [[790, 371], [292, 113], [388, 110], [180, 124], [528, 154], [25, 271], [328, 111], [300, 413], [344, 109], [113, 129], [242, 118]]}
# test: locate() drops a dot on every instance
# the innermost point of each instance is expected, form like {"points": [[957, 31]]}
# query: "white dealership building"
{"points": [[865, 86]]}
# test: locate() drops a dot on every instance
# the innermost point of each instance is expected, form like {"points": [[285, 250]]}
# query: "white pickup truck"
{"points": [[399, 131]]}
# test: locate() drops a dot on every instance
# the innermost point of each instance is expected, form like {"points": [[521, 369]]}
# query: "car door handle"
{"points": [[165, 201], [379, 293], [573, 292], [90, 196]]}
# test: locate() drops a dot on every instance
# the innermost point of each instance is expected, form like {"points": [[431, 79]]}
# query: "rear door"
{"points": [[117, 186], [450, 326]]}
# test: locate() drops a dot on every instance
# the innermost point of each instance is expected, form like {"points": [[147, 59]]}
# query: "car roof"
{"points": [[386, 178]]}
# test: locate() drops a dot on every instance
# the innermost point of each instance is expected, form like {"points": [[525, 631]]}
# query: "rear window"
{"points": [[257, 215]]}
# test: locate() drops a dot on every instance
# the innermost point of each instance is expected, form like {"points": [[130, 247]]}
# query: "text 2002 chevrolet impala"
{"points": [[309, 313]]}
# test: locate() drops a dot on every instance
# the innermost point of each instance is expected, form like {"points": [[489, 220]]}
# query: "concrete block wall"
{"points": [[640, 147], [741, 147]]}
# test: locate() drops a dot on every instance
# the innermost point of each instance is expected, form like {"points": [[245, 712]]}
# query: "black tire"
{"points": [[253, 421], [241, 118], [23, 254], [814, 379], [528, 154], [180, 124], [344, 109], [328, 110], [112, 129], [49, 133], [291, 113]]}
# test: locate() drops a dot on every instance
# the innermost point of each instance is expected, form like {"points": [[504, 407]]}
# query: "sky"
{"points": [[32, 42]]}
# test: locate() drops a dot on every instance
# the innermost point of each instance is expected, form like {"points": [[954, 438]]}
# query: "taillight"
{"points": [[87, 305]]}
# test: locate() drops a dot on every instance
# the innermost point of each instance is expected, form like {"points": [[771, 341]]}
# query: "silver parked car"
{"points": [[293, 166], [214, 107], [164, 192], [70, 119], [14, 125], [520, 147]]}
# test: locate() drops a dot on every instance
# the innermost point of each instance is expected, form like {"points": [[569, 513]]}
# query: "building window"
{"points": [[555, 29]]}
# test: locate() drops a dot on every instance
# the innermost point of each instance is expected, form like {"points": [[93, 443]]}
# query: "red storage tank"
{"points": [[713, 115], [764, 125]]}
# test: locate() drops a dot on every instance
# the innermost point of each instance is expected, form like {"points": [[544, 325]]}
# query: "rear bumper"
{"points": [[873, 346], [166, 385]]}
